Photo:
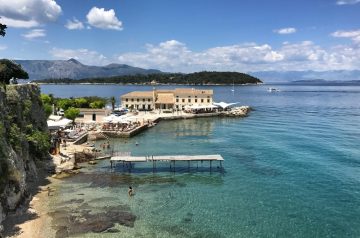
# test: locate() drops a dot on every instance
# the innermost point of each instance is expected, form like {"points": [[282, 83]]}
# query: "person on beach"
{"points": [[130, 191]]}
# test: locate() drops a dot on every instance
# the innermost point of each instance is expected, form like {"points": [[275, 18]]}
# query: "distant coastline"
{"points": [[199, 78], [145, 84]]}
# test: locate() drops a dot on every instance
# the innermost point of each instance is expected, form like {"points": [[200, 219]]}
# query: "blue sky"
{"points": [[187, 35]]}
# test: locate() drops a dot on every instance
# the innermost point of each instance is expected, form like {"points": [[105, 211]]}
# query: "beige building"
{"points": [[92, 115], [178, 99]]}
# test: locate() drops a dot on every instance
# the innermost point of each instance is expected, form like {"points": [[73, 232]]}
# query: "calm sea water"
{"points": [[292, 168]]}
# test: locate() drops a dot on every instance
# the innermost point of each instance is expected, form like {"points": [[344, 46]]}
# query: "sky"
{"points": [[187, 35]]}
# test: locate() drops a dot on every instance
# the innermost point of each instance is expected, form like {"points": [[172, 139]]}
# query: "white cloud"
{"points": [[3, 47], [175, 56], [353, 35], [347, 2], [28, 13], [100, 18], [74, 24], [284, 31], [85, 56], [19, 23], [35, 33]]}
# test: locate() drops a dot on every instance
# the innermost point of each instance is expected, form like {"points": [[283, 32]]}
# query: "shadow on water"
{"points": [[117, 179], [162, 169]]}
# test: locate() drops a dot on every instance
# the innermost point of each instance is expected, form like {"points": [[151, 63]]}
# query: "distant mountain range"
{"points": [[50, 69], [73, 69], [290, 76]]}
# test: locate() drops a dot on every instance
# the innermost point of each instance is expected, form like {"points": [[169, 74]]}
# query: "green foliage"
{"points": [[81, 103], [97, 104], [15, 136], [10, 69], [46, 99], [2, 30], [71, 113], [27, 107], [199, 78], [65, 103], [39, 143], [48, 110]]}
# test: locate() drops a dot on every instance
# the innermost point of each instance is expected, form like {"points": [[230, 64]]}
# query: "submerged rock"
{"points": [[81, 221]]}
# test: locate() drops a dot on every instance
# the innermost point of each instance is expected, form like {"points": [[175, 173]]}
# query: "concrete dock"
{"points": [[172, 159]]}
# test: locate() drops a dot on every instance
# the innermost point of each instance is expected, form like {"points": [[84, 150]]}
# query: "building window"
{"points": [[177, 100], [195, 99], [149, 107], [149, 100], [195, 96], [127, 105], [208, 100], [143, 99], [202, 100], [183, 100], [189, 100], [137, 100], [177, 106], [132, 99], [126, 99]]}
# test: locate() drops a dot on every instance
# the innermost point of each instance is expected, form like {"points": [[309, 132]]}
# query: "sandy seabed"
{"points": [[41, 225]]}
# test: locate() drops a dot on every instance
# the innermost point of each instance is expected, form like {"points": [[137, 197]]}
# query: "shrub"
{"points": [[39, 143]]}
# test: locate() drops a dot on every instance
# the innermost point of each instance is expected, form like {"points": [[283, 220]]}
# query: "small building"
{"points": [[92, 115], [176, 99]]}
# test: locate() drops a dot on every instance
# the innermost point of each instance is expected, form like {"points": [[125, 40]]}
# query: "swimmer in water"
{"points": [[130, 191], [136, 143]]}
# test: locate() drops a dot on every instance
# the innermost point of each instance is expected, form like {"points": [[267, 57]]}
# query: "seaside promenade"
{"points": [[146, 119]]}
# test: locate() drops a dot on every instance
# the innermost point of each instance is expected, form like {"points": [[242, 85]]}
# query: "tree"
{"points": [[48, 110], [81, 103], [113, 101], [9, 69], [97, 104], [45, 98], [65, 103], [71, 113], [2, 29]]}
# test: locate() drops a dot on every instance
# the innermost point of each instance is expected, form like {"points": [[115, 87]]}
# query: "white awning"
{"points": [[59, 124], [199, 106], [116, 119], [224, 105], [55, 117]]}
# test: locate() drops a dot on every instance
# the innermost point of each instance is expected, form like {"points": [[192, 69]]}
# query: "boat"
{"points": [[233, 88], [271, 90]]}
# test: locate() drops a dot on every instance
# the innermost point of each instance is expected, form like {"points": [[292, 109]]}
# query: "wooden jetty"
{"points": [[128, 160]]}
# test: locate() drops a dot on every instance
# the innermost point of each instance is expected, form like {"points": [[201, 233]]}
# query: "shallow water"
{"points": [[292, 168]]}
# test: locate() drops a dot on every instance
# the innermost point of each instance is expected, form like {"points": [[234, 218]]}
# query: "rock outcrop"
{"points": [[24, 143]]}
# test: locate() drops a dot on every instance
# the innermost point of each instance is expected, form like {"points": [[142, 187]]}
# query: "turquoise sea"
{"points": [[291, 169]]}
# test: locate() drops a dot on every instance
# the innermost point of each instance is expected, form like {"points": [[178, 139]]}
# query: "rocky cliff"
{"points": [[24, 143]]}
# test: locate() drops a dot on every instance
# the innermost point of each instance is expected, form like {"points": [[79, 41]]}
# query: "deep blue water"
{"points": [[292, 168]]}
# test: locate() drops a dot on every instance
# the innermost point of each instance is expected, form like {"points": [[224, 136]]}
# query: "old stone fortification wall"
{"points": [[23, 143]]}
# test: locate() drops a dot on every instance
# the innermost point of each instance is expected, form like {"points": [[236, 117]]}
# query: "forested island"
{"points": [[199, 78]]}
